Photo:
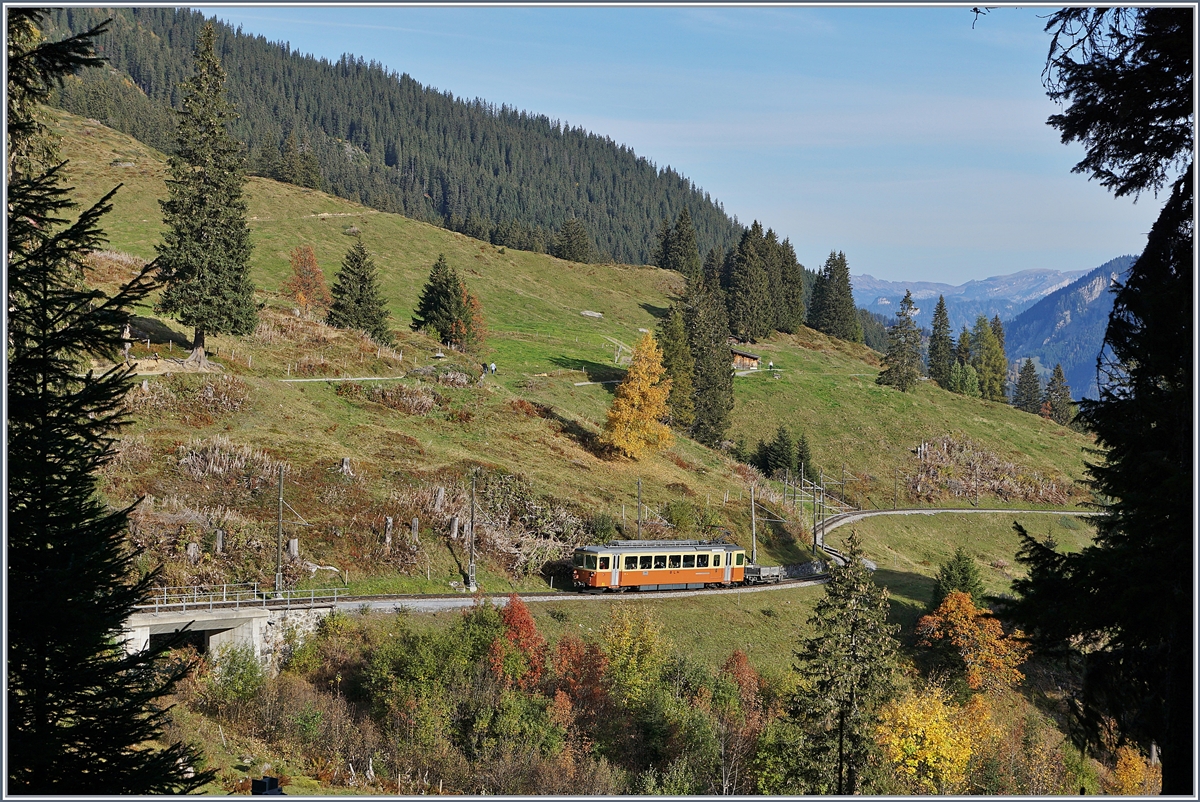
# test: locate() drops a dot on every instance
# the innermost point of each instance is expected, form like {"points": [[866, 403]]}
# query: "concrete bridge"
{"points": [[265, 621]]}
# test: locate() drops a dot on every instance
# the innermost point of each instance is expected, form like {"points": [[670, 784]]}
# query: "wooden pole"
{"points": [[753, 529], [639, 508], [471, 562], [279, 538]]}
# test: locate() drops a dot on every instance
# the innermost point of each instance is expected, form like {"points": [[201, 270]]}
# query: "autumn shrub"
{"points": [[989, 657], [924, 741], [410, 400], [218, 456], [1133, 775]]}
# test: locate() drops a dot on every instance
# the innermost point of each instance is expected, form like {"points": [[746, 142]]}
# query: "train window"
{"points": [[701, 560], [689, 561], [590, 562], [716, 561], [740, 558], [644, 561], [577, 560], [630, 562], [673, 561], [660, 561], [604, 563]]}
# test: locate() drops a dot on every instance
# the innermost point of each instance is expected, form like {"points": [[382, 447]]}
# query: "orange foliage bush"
{"points": [[990, 656]]}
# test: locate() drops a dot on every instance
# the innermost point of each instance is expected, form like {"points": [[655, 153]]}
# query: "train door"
{"points": [[728, 567], [616, 571]]}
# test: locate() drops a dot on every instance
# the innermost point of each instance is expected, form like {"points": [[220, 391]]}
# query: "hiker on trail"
{"points": [[493, 367]]}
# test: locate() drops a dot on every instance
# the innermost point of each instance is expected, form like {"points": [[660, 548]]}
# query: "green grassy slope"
{"points": [[545, 350]]}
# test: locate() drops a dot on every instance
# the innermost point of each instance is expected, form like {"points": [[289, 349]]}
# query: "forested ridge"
{"points": [[383, 139]]}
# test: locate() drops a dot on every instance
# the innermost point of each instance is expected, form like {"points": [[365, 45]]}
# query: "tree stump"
{"points": [[193, 553], [387, 535], [294, 548], [416, 523], [219, 546], [345, 468], [439, 498], [454, 528]]}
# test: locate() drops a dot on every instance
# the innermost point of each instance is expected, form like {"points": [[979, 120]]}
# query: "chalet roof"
{"points": [[740, 352]]}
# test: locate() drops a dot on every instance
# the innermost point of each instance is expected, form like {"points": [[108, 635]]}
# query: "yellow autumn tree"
{"points": [[635, 419], [924, 740], [991, 658], [634, 648], [1133, 775]]}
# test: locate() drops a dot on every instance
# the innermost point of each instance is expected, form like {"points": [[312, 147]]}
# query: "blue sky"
{"points": [[901, 136]]}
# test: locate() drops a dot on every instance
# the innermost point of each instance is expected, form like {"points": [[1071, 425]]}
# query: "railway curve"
{"points": [[453, 601]]}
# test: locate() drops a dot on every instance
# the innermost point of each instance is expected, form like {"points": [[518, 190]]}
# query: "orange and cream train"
{"points": [[662, 565]]}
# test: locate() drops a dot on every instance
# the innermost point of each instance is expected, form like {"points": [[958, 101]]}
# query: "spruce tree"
{"points": [[780, 453], [357, 301], [804, 460], [664, 249], [790, 309], [708, 336], [1126, 604], [204, 258], [832, 310], [959, 573], [684, 255], [987, 357], [750, 310], [941, 347], [847, 666], [1028, 395], [440, 303], [714, 265], [962, 350], [902, 362], [998, 330], [573, 243], [83, 716], [680, 366], [1058, 397]]}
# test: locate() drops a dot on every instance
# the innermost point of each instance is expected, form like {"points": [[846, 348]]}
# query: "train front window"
{"points": [[604, 563], [644, 561], [673, 561], [660, 561], [577, 560], [689, 561], [590, 562], [716, 561], [701, 560], [630, 562], [740, 558]]}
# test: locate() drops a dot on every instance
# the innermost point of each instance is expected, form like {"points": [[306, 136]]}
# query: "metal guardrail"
{"points": [[236, 597]]}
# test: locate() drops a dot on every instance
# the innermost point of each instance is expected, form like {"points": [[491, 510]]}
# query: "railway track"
{"points": [[448, 601], [451, 601]]}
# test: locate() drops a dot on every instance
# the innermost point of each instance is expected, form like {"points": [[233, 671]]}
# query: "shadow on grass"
{"points": [[910, 593], [596, 372], [584, 437], [157, 332], [659, 312]]}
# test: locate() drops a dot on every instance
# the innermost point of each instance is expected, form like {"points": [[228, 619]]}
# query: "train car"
{"points": [[658, 565]]}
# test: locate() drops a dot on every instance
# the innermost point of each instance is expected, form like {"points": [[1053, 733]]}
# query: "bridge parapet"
{"points": [[237, 596], [265, 621]]}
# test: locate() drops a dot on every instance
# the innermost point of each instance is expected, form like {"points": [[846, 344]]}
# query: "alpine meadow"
{"points": [[367, 439]]}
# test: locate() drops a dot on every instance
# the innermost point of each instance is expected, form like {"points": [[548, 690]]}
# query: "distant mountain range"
{"points": [[1067, 326], [1006, 296]]}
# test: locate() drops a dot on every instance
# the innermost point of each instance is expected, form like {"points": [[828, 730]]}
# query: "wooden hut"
{"points": [[744, 360]]}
